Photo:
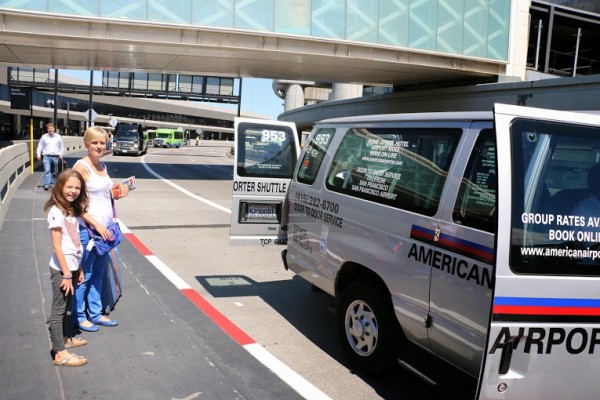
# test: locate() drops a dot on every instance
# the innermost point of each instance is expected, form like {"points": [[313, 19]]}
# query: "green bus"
{"points": [[166, 137], [149, 136]]}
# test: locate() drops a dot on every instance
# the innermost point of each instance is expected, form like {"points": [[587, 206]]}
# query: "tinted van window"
{"points": [[131, 135], [265, 151], [556, 198], [313, 157], [127, 127], [404, 168], [476, 202]]}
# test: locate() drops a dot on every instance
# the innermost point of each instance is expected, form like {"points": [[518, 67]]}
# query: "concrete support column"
{"points": [[340, 91], [294, 96], [17, 126], [519, 34]]}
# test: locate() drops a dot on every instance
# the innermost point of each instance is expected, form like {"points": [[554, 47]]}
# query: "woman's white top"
{"points": [[98, 190], [70, 244]]}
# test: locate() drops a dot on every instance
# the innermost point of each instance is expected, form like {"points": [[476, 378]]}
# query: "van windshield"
{"points": [[163, 135], [127, 135], [556, 175], [265, 152]]}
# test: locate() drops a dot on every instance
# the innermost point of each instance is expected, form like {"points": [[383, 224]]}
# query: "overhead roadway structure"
{"points": [[45, 39], [407, 44]]}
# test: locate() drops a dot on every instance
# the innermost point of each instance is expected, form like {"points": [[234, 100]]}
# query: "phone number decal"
{"points": [[313, 201], [316, 208]]}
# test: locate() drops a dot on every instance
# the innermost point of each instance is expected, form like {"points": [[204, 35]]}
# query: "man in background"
{"points": [[51, 148]]}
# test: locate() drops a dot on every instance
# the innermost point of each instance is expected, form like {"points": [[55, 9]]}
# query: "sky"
{"points": [[257, 94], [258, 97]]}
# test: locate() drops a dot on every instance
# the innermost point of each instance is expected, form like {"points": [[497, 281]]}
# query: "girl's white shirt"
{"points": [[70, 244]]}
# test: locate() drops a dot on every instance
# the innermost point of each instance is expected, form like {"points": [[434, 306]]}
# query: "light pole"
{"points": [[67, 127], [51, 103]]}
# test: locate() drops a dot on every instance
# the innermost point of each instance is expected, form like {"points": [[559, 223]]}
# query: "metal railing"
{"points": [[15, 166]]}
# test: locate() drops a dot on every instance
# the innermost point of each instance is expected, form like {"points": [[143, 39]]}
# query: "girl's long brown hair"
{"points": [[79, 205]]}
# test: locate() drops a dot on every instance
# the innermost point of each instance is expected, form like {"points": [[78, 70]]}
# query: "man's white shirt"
{"points": [[50, 145]]}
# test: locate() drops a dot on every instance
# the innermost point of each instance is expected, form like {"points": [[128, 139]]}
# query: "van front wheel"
{"points": [[369, 333]]}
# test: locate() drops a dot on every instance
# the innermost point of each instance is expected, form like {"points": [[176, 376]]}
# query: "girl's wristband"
{"points": [[67, 276]]}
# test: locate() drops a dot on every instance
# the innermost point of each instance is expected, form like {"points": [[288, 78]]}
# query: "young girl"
{"points": [[68, 200]]}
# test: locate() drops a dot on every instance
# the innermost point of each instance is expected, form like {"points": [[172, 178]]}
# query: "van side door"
{"points": [[544, 335], [462, 275], [266, 153]]}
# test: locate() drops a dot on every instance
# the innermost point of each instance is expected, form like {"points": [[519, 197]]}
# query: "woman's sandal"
{"points": [[75, 342], [72, 360]]}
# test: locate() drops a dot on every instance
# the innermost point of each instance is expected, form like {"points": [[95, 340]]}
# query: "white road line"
{"points": [[183, 190], [291, 377], [285, 373], [168, 273]]}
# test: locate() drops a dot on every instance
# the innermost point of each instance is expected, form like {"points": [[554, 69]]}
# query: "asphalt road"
{"points": [[179, 212]]}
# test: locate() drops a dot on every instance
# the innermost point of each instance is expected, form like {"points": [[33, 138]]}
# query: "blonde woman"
{"points": [[87, 309]]}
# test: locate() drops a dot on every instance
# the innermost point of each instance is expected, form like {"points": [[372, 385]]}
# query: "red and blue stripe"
{"points": [[547, 309], [454, 244]]}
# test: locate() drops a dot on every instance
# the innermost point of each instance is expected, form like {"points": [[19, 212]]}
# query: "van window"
{"points": [[404, 168], [131, 135], [127, 127], [556, 198], [476, 202], [313, 157], [265, 151]]}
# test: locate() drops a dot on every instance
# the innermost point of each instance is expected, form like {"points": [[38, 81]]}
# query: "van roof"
{"points": [[429, 116]]}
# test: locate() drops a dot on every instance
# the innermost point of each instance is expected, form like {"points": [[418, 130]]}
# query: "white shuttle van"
{"points": [[474, 236]]}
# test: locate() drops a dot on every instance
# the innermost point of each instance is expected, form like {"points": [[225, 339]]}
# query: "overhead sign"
{"points": [[93, 117], [113, 122], [20, 98]]}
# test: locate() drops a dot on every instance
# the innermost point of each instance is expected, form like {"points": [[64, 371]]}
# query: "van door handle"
{"points": [[505, 358]]}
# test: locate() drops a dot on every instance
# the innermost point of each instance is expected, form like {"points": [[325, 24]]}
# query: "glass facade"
{"points": [[563, 41], [586, 5], [470, 28], [74, 127], [167, 85]]}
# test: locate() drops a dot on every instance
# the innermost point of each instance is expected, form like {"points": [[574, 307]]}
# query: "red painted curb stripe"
{"points": [[219, 319], [226, 325], [137, 244]]}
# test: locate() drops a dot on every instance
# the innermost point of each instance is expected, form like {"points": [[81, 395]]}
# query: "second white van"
{"points": [[473, 236]]}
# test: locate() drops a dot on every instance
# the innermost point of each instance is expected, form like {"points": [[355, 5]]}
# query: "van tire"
{"points": [[368, 329]]}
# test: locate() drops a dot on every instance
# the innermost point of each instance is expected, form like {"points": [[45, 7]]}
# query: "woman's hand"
{"points": [[102, 231], [123, 192]]}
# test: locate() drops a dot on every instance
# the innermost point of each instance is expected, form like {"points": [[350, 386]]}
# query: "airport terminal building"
{"points": [[151, 100]]}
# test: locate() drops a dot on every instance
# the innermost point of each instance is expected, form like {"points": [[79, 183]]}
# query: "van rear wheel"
{"points": [[368, 329]]}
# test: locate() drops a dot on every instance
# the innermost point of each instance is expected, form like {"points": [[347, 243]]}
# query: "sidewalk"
{"points": [[163, 348]]}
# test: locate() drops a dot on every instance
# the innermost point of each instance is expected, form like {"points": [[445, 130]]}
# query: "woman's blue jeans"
{"points": [[88, 295]]}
